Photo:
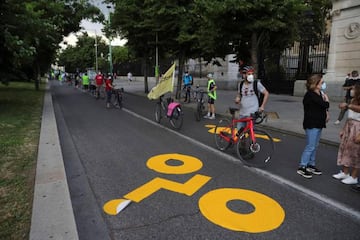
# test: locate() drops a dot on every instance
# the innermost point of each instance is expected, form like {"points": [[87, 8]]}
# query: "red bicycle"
{"points": [[254, 147]]}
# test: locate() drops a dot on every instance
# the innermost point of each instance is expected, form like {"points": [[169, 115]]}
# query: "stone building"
{"points": [[344, 52]]}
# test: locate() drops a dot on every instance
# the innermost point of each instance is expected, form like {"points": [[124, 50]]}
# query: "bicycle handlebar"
{"points": [[258, 116]]}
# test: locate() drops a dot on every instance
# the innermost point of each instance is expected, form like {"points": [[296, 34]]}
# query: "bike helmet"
{"points": [[248, 69], [209, 75]]}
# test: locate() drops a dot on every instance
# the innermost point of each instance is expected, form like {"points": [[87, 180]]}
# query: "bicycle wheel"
{"points": [[223, 133], [176, 118], [198, 112], [119, 100], [255, 154], [158, 112], [102, 93]]}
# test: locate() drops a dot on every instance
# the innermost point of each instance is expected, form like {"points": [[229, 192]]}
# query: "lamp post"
{"points": [[96, 54], [156, 59], [110, 50]]}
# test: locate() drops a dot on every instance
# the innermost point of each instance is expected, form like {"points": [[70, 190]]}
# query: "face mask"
{"points": [[250, 78], [323, 86], [352, 93]]}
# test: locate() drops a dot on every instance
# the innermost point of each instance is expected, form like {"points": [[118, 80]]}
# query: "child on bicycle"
{"points": [[247, 95]]}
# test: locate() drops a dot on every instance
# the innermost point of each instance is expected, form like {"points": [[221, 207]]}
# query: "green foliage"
{"points": [[33, 30], [21, 108]]}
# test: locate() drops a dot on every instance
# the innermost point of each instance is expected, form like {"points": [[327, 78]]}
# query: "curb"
{"points": [[52, 213]]}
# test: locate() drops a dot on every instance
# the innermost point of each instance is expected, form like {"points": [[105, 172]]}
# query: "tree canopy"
{"points": [[214, 28], [83, 54], [32, 31]]}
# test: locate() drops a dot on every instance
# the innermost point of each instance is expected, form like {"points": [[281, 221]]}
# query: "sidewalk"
{"points": [[285, 112]]}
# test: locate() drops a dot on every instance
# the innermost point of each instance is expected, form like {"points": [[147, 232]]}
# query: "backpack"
{"points": [[259, 95]]}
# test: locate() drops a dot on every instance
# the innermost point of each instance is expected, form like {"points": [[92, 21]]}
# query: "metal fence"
{"points": [[303, 59]]}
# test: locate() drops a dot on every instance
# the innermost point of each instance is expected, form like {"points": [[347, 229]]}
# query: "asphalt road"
{"points": [[182, 187]]}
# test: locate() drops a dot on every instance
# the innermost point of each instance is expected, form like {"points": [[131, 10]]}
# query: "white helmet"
{"points": [[209, 75]]}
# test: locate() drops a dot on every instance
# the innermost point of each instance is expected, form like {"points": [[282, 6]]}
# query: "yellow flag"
{"points": [[165, 85]]}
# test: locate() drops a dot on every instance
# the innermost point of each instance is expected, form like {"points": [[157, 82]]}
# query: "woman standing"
{"points": [[316, 105], [349, 149]]}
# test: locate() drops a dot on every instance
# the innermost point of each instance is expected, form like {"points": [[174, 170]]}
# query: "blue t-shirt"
{"points": [[187, 79]]}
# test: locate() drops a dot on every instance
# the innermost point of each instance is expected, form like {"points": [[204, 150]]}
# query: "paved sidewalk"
{"points": [[285, 112]]}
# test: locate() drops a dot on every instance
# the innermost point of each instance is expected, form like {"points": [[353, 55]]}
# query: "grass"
{"points": [[20, 120]]}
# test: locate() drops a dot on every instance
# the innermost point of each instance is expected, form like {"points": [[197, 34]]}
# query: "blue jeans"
{"points": [[312, 142]]}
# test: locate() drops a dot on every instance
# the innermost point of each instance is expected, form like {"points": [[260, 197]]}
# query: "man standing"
{"points": [[211, 90], [85, 81], [248, 95], [99, 80], [348, 85], [129, 75], [187, 80]]}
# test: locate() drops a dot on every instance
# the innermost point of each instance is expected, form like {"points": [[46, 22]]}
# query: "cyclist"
{"points": [[99, 80], [187, 80], [108, 88], [211, 90], [247, 96]]}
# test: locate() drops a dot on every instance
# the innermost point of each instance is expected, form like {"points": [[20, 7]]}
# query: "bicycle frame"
{"points": [[163, 104], [171, 110], [248, 127]]}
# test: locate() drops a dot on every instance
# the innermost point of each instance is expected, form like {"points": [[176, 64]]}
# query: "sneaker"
{"points": [[212, 117], [206, 116], [349, 180], [341, 175], [303, 172], [356, 188], [337, 122], [313, 170]]}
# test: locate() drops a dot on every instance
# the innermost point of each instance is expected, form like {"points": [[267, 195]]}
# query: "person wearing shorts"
{"points": [[211, 89]]}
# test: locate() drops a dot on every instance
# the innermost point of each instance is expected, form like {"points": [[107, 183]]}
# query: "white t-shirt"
{"points": [[249, 101], [354, 115]]}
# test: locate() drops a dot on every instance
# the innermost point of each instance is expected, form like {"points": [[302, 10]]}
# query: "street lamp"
{"points": [[110, 50], [96, 54], [156, 59]]}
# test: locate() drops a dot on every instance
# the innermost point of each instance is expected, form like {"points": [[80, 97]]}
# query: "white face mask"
{"points": [[352, 93], [323, 86], [250, 78]]}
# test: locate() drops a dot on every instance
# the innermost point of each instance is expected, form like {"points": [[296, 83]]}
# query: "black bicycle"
{"points": [[117, 101], [200, 103]]}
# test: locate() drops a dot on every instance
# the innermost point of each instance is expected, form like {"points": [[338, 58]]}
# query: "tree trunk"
{"points": [[146, 85], [37, 76], [253, 53], [180, 73]]}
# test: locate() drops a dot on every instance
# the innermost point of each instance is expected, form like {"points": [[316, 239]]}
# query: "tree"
{"points": [[168, 25], [82, 55], [247, 25], [31, 39]]}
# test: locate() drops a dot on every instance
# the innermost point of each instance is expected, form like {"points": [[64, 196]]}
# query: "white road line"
{"points": [[323, 199]]}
